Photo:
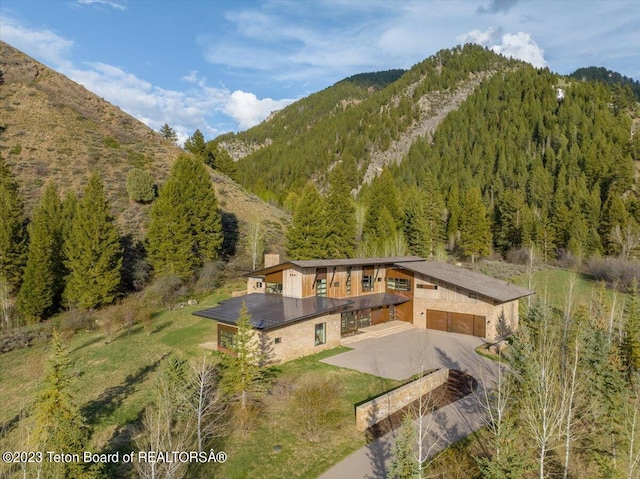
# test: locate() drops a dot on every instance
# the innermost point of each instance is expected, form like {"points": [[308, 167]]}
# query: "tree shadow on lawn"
{"points": [[111, 398]]}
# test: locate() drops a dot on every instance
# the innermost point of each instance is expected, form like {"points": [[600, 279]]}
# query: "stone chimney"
{"points": [[271, 259]]}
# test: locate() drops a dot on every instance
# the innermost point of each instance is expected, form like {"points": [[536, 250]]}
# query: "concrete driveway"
{"points": [[403, 354], [399, 356]]}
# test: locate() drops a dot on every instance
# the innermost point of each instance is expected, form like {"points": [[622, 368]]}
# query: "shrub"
{"points": [[75, 320], [164, 291], [140, 186], [111, 142], [614, 271], [316, 406], [211, 276]]}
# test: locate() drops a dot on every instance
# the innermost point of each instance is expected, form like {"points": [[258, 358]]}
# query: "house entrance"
{"points": [[351, 321]]}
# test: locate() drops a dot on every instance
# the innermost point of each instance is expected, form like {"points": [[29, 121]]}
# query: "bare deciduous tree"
{"points": [[255, 242], [627, 238], [6, 305], [543, 404], [206, 402]]}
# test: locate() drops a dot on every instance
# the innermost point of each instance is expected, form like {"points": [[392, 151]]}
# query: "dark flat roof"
{"points": [[271, 311], [501, 291]]}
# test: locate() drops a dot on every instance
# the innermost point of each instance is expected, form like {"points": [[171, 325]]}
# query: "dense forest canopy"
{"points": [[554, 171], [604, 75], [345, 123]]}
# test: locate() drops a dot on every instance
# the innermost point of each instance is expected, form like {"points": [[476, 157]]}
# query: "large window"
{"points": [[275, 288], [321, 334], [367, 283], [226, 338], [399, 284]]}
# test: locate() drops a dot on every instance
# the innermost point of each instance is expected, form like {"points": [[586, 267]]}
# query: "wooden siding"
{"points": [[291, 283]]}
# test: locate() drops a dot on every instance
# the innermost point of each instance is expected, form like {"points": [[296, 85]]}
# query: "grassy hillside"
{"points": [[52, 129], [126, 364]]}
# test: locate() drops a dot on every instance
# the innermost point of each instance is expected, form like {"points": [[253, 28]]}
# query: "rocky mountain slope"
{"points": [[362, 125]]}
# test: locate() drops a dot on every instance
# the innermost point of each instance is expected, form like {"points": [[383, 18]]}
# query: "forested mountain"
{"points": [[554, 171], [359, 127], [607, 76], [517, 157]]}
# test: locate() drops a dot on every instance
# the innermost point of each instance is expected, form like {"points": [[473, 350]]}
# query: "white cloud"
{"points": [[110, 3], [521, 46], [518, 45], [248, 110], [192, 77], [185, 110], [44, 44]]}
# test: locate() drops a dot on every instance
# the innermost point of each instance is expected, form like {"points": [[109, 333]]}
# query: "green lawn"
{"points": [[254, 456], [111, 384], [553, 286]]}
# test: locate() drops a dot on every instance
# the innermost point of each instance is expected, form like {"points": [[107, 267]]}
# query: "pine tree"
{"points": [[13, 235], [93, 251], [383, 194], [475, 232], [511, 214], [244, 375], [631, 342], [185, 231], [341, 216], [168, 133], [219, 159], [196, 145], [417, 225], [59, 424], [404, 464], [42, 284], [307, 235]]}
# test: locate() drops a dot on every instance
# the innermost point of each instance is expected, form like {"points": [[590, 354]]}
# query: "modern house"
{"points": [[302, 307]]}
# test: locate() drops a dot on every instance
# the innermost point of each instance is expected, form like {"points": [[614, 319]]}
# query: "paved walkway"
{"points": [[399, 356]]}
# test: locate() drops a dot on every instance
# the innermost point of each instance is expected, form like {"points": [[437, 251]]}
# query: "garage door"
{"points": [[460, 323], [437, 320]]}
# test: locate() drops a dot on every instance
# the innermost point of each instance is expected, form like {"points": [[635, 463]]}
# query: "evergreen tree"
{"points": [[168, 133], [383, 194], [475, 232], [93, 251], [196, 145], [404, 464], [423, 221], [219, 159], [341, 216], [455, 212], [43, 276], [59, 424], [631, 342], [511, 215], [185, 230], [307, 235], [243, 376], [13, 235]]}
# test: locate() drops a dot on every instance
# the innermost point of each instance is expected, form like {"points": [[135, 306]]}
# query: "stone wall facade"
{"points": [[299, 339], [372, 412]]}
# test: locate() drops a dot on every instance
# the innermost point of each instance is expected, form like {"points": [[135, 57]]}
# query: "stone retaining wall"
{"points": [[372, 412]]}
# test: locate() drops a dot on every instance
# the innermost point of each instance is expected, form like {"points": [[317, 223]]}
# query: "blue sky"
{"points": [[225, 65]]}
